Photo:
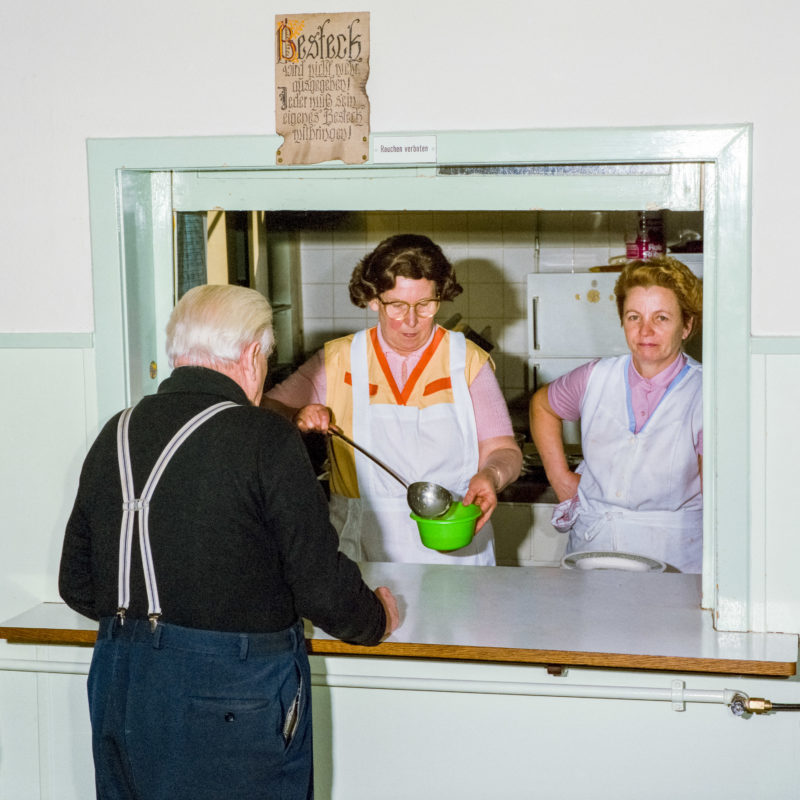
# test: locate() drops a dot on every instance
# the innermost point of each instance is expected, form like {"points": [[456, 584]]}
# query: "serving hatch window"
{"points": [[707, 173], [301, 261]]}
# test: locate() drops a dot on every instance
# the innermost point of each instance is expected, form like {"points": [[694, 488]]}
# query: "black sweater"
{"points": [[239, 525]]}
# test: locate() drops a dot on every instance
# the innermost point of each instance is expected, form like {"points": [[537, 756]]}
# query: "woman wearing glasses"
{"points": [[423, 399]]}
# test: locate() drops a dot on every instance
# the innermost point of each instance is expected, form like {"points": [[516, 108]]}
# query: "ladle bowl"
{"points": [[425, 499], [428, 499]]}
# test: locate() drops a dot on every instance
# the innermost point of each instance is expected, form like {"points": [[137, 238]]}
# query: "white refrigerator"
{"points": [[572, 319]]}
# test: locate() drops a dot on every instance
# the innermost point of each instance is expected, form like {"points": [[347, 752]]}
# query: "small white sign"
{"points": [[404, 149]]}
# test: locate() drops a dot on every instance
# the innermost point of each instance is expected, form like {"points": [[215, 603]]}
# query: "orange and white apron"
{"points": [[437, 443]]}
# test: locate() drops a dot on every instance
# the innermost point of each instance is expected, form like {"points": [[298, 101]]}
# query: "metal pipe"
{"points": [[677, 694], [55, 667]]}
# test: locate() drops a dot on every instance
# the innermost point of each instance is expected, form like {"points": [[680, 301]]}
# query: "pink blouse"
{"points": [[308, 385], [566, 393]]}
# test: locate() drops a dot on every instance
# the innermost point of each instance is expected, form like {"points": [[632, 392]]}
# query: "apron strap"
{"points": [[463, 402], [360, 378], [133, 507]]}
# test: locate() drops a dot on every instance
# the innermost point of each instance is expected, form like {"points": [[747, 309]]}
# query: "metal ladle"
{"points": [[424, 498]]}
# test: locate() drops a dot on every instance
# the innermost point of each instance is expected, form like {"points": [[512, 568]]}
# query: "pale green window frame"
{"points": [[725, 152]]}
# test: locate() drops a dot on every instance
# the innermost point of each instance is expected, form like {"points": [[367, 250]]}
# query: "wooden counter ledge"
{"points": [[537, 615]]}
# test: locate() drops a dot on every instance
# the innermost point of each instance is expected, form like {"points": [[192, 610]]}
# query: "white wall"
{"points": [[93, 68], [196, 67]]}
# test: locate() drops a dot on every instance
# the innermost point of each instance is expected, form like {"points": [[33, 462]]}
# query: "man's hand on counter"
{"points": [[390, 608]]}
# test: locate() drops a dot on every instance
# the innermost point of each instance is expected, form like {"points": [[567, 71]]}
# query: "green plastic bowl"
{"points": [[452, 531]]}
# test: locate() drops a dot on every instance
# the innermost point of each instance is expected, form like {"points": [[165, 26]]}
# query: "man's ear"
{"points": [[250, 356]]}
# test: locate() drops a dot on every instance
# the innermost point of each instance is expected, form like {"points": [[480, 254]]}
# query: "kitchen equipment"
{"points": [[608, 268], [452, 531], [456, 323], [649, 241], [426, 499], [612, 560], [573, 315], [688, 242], [572, 318]]}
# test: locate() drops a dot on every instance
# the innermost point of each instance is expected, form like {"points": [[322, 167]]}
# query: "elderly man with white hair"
{"points": [[200, 685]]}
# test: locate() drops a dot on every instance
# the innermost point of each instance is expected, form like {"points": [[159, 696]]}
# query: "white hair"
{"points": [[213, 324]]}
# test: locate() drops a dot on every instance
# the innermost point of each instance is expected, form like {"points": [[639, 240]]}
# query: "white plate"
{"points": [[612, 560]]}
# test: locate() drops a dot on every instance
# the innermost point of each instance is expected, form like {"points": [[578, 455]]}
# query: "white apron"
{"points": [[640, 492], [438, 443]]}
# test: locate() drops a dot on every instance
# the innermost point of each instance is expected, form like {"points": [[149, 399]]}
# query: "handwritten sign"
{"points": [[321, 103]]}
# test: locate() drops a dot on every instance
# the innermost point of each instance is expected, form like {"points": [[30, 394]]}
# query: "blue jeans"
{"points": [[184, 714]]}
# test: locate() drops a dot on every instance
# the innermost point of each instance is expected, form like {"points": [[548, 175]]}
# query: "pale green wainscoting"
{"points": [[775, 500], [48, 407], [48, 410], [392, 729]]}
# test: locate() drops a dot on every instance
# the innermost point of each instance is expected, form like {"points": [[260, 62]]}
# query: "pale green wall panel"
{"points": [[430, 746], [44, 439], [394, 745], [781, 495], [19, 741], [483, 733], [71, 769], [758, 494]]}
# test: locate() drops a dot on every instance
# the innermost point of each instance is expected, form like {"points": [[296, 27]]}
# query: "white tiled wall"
{"points": [[492, 253]]}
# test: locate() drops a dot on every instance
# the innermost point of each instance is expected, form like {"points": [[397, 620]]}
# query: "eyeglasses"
{"points": [[398, 309]]}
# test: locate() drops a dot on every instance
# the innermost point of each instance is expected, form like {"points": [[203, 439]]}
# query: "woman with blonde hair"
{"points": [[639, 487]]}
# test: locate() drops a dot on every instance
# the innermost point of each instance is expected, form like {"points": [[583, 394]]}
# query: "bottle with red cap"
{"points": [[649, 240]]}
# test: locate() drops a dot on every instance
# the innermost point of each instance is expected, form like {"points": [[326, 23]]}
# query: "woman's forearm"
{"points": [[500, 458], [546, 430]]}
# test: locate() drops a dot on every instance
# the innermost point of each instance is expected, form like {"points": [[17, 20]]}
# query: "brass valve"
{"points": [[758, 705], [742, 704]]}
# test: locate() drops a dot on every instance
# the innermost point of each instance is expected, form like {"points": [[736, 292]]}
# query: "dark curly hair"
{"points": [[406, 255], [669, 273]]}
